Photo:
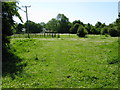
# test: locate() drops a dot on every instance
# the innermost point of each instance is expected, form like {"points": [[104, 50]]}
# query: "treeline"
{"points": [[32, 26], [61, 24]]}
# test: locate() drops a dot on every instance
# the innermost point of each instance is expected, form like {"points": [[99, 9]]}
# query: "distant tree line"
{"points": [[33, 27], [61, 24]]}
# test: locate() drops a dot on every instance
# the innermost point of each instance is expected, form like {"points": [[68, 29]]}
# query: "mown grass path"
{"points": [[66, 63]]}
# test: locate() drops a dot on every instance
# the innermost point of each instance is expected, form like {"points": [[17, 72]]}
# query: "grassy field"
{"points": [[66, 62]]}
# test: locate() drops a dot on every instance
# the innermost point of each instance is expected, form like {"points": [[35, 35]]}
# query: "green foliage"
{"points": [[98, 24], [19, 28], [10, 61], [63, 23], [43, 24], [33, 27], [81, 32], [118, 25], [113, 32], [105, 30], [114, 28], [94, 30], [98, 27], [78, 21], [88, 27], [74, 28], [9, 9], [52, 25], [60, 24]]}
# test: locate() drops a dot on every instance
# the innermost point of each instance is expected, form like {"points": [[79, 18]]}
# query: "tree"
{"points": [[118, 25], [88, 27], [98, 24], [52, 25], [33, 27], [113, 32], [98, 27], [114, 28], [79, 22], [105, 30], [59, 24], [9, 9], [74, 28], [19, 28], [81, 32], [39, 28], [119, 14], [94, 30], [63, 23], [42, 24]]}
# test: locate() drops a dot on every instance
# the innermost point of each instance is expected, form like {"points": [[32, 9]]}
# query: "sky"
{"points": [[87, 11]]}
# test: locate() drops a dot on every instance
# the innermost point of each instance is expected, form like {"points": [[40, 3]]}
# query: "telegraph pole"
{"points": [[27, 20]]}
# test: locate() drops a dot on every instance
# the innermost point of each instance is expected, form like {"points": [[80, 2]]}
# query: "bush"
{"points": [[81, 32], [104, 31], [74, 28], [94, 30], [113, 32]]}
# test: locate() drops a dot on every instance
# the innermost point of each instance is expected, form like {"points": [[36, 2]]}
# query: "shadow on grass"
{"points": [[11, 64]]}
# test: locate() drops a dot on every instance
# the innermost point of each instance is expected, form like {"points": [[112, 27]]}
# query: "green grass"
{"points": [[66, 62]]}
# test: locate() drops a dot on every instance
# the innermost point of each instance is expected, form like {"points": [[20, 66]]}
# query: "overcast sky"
{"points": [[89, 11]]}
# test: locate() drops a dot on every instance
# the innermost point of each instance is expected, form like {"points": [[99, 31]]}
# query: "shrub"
{"points": [[94, 30], [74, 28], [81, 32], [113, 32], [104, 31]]}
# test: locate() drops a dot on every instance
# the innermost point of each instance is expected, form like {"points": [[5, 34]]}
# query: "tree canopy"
{"points": [[52, 25], [9, 9], [63, 23], [33, 27]]}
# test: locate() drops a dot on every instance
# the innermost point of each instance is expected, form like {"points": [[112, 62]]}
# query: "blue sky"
{"points": [[87, 12]]}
